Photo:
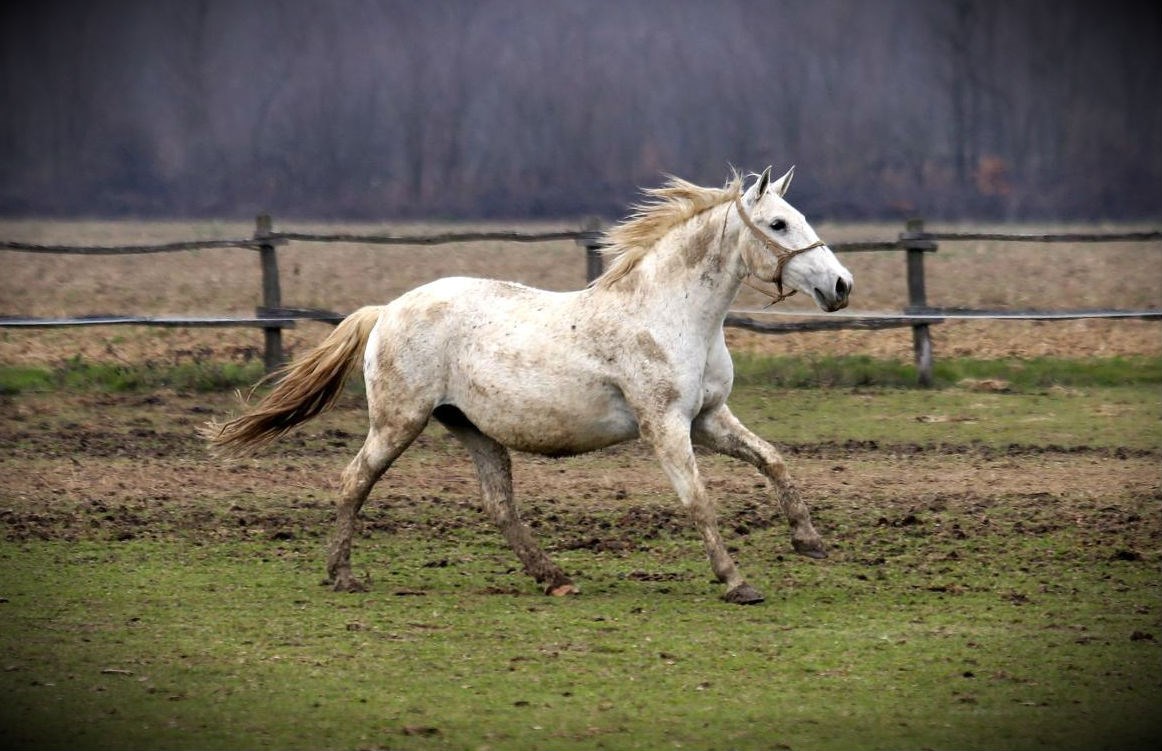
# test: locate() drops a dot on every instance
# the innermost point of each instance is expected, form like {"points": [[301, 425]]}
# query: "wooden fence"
{"points": [[273, 316]]}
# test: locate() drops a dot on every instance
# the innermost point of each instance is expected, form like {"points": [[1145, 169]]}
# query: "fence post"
{"points": [[271, 290], [917, 244], [594, 263]]}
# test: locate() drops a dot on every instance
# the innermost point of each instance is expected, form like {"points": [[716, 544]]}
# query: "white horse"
{"points": [[638, 354]]}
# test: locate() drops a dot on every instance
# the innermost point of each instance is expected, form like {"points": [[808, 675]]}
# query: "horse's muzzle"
{"points": [[836, 298]]}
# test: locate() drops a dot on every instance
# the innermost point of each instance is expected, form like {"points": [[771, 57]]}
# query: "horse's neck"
{"points": [[694, 273]]}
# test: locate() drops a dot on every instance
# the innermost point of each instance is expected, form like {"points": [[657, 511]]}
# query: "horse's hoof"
{"points": [[743, 594], [348, 585], [810, 549], [562, 590]]}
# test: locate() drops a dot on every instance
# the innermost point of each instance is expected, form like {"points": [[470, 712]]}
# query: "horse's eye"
{"points": [[778, 225]]}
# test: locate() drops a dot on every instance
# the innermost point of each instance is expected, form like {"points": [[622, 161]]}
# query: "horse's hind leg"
{"points": [[721, 431], [494, 468], [382, 447]]}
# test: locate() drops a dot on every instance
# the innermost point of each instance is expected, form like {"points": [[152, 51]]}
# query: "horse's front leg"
{"points": [[670, 438], [721, 431]]}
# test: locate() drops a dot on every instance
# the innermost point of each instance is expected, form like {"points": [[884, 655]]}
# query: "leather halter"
{"points": [[782, 254]]}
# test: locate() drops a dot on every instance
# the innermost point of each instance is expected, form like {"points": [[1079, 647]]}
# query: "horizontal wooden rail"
{"points": [[98, 250], [1063, 237], [867, 323], [115, 320], [968, 314], [936, 315], [281, 238], [441, 239]]}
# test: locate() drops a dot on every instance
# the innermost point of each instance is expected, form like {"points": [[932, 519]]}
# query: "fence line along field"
{"points": [[344, 276]]}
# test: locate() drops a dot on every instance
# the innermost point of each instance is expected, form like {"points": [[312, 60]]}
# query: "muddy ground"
{"points": [[132, 467]]}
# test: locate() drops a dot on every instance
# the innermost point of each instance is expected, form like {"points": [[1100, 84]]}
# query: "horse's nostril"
{"points": [[841, 288]]}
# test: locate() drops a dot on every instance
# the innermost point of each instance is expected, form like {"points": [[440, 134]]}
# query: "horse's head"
{"points": [[787, 251]]}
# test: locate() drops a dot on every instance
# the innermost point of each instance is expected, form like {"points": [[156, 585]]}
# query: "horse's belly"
{"points": [[560, 440], [552, 422]]}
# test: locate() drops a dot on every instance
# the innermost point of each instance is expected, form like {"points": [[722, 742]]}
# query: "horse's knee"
{"points": [[775, 468], [702, 512]]}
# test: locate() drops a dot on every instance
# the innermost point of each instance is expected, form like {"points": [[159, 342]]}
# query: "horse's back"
{"points": [[454, 310]]}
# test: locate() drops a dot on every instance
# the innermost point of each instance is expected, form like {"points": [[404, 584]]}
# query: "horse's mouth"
{"points": [[828, 304]]}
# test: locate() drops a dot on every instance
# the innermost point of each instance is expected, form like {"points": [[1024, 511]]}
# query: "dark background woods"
{"points": [[1037, 109]]}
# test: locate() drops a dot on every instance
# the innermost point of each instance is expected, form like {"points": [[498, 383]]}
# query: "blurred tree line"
{"points": [[1037, 109]]}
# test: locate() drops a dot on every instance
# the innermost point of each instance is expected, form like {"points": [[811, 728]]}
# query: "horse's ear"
{"points": [[784, 182], [759, 188]]}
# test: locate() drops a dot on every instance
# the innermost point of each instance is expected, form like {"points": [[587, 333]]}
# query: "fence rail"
{"points": [[125, 250], [272, 317], [1060, 237], [279, 238]]}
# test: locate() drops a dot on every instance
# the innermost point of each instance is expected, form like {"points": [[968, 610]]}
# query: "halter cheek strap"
{"points": [[782, 254]]}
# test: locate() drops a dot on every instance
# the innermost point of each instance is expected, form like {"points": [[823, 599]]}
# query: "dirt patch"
{"points": [[132, 467]]}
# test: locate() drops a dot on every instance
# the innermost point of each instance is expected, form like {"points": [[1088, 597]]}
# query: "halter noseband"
{"points": [[782, 254]]}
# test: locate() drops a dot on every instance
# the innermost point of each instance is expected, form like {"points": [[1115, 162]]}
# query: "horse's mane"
{"points": [[665, 208]]}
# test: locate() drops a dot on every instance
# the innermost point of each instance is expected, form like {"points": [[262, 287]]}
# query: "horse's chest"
{"points": [[717, 379]]}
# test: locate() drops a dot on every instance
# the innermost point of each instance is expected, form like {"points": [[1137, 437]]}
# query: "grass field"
{"points": [[994, 579], [993, 583]]}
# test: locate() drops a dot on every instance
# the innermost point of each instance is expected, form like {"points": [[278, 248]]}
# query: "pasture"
{"points": [[986, 588], [993, 580]]}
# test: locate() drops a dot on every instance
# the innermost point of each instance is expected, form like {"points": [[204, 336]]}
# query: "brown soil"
{"points": [[125, 467]]}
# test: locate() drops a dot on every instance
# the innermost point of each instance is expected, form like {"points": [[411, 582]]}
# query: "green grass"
{"points": [[957, 618], [1021, 374], [164, 645], [79, 376], [1064, 417], [1046, 402], [778, 372]]}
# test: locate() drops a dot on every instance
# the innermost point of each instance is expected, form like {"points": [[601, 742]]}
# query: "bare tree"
{"points": [[534, 107]]}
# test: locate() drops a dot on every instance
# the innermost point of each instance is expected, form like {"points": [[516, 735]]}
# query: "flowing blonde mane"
{"points": [[665, 208]]}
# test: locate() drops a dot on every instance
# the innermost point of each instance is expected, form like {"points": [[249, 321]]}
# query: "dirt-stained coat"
{"points": [[640, 353]]}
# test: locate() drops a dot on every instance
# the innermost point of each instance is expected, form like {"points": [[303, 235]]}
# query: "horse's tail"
{"points": [[303, 390]]}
